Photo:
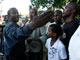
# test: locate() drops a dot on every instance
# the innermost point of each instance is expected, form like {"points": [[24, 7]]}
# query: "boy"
{"points": [[56, 49]]}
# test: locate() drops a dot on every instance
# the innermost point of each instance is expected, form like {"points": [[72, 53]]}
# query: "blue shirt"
{"points": [[14, 39]]}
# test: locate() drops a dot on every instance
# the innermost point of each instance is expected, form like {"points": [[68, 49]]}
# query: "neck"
{"points": [[53, 41], [59, 23], [70, 18]]}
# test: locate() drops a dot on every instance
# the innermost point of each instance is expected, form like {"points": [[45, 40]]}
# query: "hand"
{"points": [[41, 20]]}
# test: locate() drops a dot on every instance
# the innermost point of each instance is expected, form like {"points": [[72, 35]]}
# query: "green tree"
{"points": [[77, 1], [51, 3], [48, 3]]}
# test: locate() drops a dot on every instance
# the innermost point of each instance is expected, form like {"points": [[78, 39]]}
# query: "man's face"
{"points": [[67, 11], [57, 16], [14, 15]]}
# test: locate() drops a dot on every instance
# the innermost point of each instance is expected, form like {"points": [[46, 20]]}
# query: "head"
{"points": [[54, 31], [33, 13], [57, 15], [13, 15], [70, 9]]}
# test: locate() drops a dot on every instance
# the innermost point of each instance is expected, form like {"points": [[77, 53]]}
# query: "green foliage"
{"points": [[50, 4]]}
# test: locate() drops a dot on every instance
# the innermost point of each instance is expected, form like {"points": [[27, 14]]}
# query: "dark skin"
{"points": [[36, 22], [41, 20], [14, 15], [54, 37], [33, 13], [58, 17], [70, 12]]}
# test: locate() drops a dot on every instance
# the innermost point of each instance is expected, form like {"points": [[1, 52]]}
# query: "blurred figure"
{"points": [[36, 40], [71, 23], [24, 21], [15, 36], [58, 17], [74, 44], [56, 49], [5, 19]]}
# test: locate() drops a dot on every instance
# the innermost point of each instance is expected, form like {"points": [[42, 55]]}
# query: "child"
{"points": [[56, 49]]}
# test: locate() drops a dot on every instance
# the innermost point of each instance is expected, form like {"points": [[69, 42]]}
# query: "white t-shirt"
{"points": [[74, 46], [56, 51]]}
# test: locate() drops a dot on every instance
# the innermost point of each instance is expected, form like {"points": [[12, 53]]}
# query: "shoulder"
{"points": [[48, 40], [10, 26], [61, 45]]}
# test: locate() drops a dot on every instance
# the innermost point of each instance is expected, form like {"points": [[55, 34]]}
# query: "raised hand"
{"points": [[41, 20]]}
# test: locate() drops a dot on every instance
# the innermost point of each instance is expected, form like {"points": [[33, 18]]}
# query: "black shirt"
{"points": [[69, 29]]}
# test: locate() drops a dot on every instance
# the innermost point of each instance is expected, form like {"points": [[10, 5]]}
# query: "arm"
{"points": [[41, 20], [62, 53], [41, 35], [45, 56], [17, 33]]}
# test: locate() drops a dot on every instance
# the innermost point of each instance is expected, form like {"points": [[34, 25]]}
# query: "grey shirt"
{"points": [[36, 46]]}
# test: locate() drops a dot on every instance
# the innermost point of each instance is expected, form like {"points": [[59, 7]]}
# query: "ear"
{"points": [[54, 34]]}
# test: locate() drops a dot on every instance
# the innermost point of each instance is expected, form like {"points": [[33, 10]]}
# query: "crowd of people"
{"points": [[49, 36]]}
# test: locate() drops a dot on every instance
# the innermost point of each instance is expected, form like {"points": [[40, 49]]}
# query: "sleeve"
{"points": [[43, 36], [62, 53], [18, 32]]}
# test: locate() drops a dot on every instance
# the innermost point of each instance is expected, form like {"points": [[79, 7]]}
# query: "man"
{"points": [[14, 36], [74, 44], [36, 40], [58, 17], [71, 23]]}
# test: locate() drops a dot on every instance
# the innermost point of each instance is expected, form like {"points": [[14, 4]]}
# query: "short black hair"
{"points": [[58, 12], [8, 13], [56, 28]]}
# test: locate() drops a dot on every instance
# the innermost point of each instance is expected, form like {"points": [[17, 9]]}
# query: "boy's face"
{"points": [[14, 15], [57, 16], [50, 33]]}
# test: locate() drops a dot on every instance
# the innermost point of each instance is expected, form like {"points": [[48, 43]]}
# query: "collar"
{"points": [[56, 43]]}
